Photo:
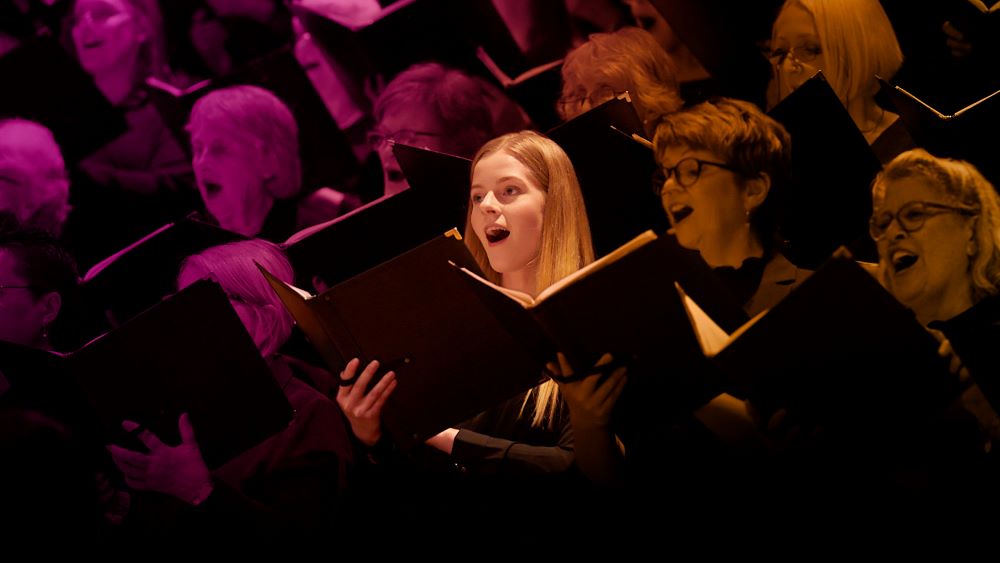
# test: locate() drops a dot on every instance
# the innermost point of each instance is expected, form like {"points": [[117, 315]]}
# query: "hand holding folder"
{"points": [[459, 344]]}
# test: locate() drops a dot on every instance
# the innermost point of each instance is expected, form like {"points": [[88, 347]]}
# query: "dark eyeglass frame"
{"points": [[595, 98], [377, 139], [928, 209], [667, 171], [800, 53]]}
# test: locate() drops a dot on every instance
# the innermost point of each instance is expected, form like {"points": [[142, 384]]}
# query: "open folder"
{"points": [[452, 358], [967, 133], [189, 353], [460, 345], [336, 250], [837, 347], [139, 275]]}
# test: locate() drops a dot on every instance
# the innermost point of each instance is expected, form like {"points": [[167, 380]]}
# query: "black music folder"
{"points": [[828, 203], [838, 348], [615, 173], [189, 353]]}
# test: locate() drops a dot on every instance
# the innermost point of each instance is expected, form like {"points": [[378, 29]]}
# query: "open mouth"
{"points": [[646, 22], [496, 233], [212, 188], [93, 44], [395, 175], [902, 260], [680, 212]]}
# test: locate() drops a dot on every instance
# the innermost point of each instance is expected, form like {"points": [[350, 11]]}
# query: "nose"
{"points": [[670, 185], [895, 230], [489, 204], [790, 64]]}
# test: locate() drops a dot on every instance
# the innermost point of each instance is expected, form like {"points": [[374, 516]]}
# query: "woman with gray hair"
{"points": [[287, 487]]}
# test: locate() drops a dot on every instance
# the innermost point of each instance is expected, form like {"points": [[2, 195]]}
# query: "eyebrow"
{"points": [[499, 181]]}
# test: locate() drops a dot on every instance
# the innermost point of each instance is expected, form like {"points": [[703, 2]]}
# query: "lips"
{"points": [[496, 233], [211, 188], [679, 212], [902, 260]]}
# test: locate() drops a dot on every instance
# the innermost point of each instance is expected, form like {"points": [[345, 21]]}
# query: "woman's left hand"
{"points": [[591, 400]]}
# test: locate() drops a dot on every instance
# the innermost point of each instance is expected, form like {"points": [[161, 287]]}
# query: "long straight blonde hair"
{"points": [[565, 245]]}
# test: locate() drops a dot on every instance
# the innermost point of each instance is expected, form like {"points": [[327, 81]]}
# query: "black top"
{"points": [[975, 334], [743, 281]]}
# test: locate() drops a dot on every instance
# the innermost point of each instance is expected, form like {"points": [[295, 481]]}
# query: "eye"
{"points": [[811, 51], [778, 54], [476, 198], [212, 189], [511, 191], [913, 215]]}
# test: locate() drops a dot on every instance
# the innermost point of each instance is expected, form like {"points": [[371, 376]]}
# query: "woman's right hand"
{"points": [[364, 410]]}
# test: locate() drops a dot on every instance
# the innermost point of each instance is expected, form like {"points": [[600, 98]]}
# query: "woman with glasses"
{"points": [[439, 108], [722, 161], [609, 64], [937, 225], [851, 42], [724, 164]]}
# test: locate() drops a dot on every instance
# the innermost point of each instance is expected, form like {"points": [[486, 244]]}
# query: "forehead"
{"points": [[500, 165], [794, 22], [108, 5], [912, 188], [674, 154], [412, 117], [219, 131]]}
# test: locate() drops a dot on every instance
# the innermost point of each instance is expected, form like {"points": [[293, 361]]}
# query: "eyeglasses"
{"points": [[378, 140], [567, 104], [4, 288], [686, 172], [912, 216], [802, 54]]}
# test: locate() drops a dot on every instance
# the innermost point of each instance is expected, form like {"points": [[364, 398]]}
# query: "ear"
{"points": [[755, 191], [50, 305], [267, 159]]}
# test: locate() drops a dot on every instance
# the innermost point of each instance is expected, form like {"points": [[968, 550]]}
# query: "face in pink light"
{"points": [[415, 126], [23, 316], [508, 208], [231, 170], [33, 181], [107, 35]]}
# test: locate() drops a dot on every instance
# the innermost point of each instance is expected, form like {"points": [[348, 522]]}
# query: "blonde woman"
{"points": [[527, 228], [852, 42]]}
